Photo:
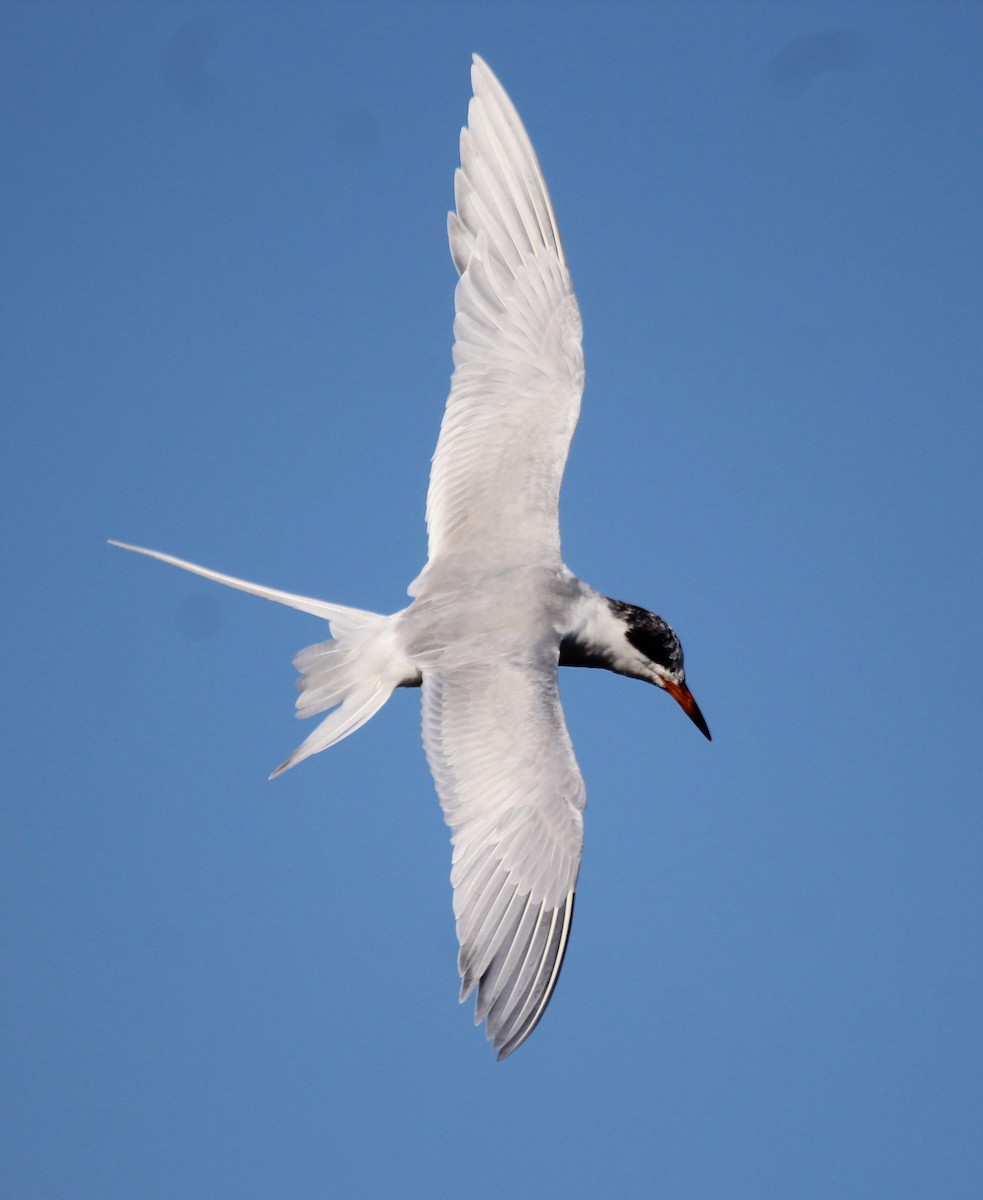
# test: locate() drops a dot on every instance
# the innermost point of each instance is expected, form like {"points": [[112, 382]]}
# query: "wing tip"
{"points": [[505, 1041]]}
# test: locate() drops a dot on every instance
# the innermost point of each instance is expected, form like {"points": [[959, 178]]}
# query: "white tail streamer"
{"points": [[357, 670]]}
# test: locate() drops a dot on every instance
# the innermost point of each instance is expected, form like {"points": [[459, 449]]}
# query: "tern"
{"points": [[495, 611]]}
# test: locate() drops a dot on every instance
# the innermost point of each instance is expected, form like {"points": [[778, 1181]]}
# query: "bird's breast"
{"points": [[461, 616]]}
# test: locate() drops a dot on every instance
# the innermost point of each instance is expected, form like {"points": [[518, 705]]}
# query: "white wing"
{"points": [[512, 794], [518, 365]]}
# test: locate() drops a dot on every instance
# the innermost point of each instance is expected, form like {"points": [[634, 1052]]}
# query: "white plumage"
{"points": [[518, 365], [495, 610]]}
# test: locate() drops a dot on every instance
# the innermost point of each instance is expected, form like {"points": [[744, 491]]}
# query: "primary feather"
{"points": [[518, 364]]}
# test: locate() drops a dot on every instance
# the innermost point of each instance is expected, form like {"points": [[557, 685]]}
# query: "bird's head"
{"points": [[654, 653]]}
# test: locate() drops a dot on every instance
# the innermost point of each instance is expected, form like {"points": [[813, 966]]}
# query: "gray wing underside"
{"points": [[518, 364], [512, 795]]}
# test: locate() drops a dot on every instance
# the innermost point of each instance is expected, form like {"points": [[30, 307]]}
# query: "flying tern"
{"points": [[495, 610]]}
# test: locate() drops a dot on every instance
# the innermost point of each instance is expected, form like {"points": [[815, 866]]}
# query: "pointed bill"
{"points": [[684, 698]]}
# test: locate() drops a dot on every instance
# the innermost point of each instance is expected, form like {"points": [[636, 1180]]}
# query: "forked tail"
{"points": [[357, 669]]}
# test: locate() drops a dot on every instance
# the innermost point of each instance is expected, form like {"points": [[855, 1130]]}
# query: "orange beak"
{"points": [[684, 698]]}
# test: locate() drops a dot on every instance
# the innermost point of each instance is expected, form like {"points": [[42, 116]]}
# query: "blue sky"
{"points": [[226, 311]]}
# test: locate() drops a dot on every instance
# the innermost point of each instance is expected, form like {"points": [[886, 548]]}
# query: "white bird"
{"points": [[495, 610]]}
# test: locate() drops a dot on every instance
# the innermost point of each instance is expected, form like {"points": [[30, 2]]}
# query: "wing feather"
{"points": [[518, 364], [512, 795]]}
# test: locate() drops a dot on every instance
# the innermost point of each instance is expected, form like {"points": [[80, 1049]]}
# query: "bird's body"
{"points": [[495, 611]]}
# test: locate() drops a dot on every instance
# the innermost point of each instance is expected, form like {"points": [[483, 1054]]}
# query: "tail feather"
{"points": [[358, 707], [358, 669], [342, 618], [326, 675]]}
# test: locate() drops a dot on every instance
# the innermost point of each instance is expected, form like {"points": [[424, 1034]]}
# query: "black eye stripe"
{"points": [[660, 645], [649, 634]]}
